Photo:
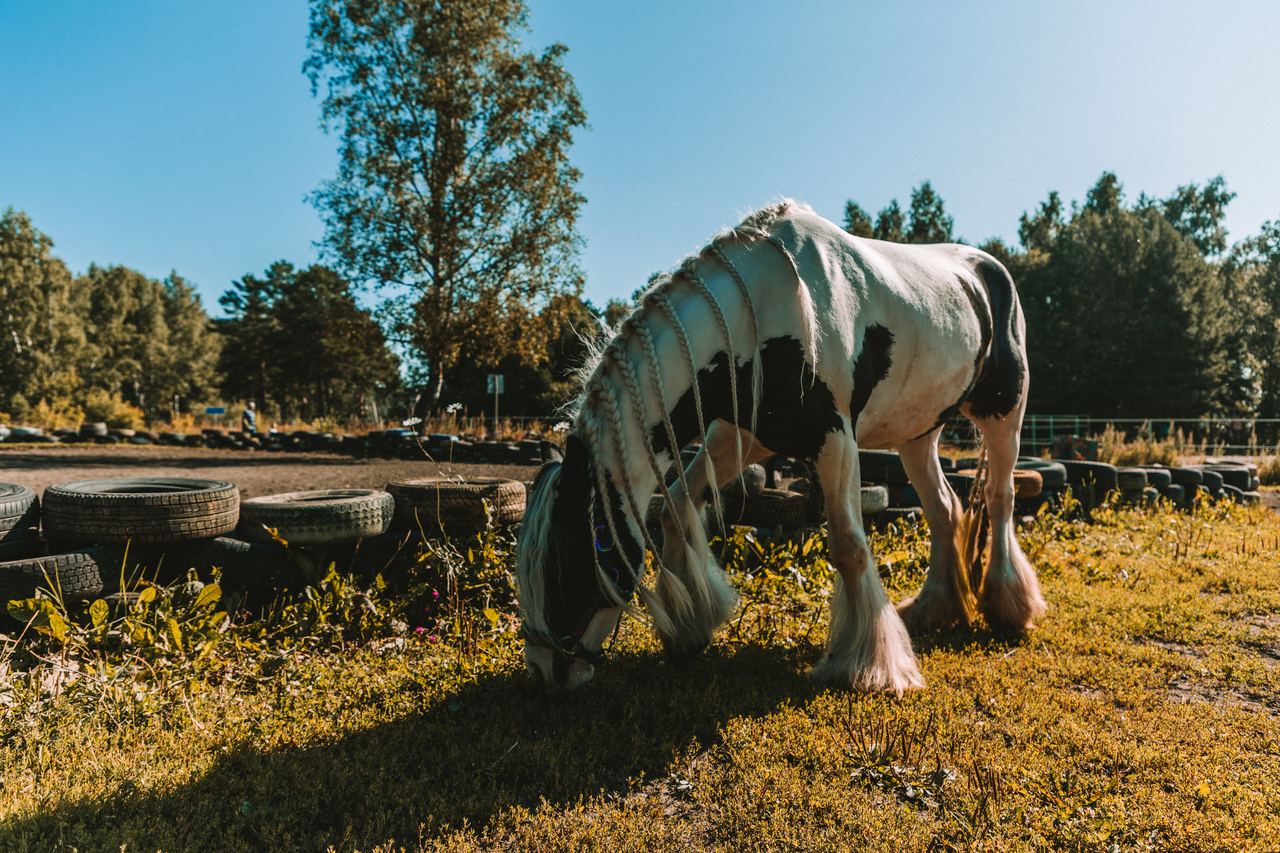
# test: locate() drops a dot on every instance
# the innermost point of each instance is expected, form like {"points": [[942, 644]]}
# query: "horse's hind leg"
{"points": [[1010, 593], [945, 599], [867, 645], [697, 596]]}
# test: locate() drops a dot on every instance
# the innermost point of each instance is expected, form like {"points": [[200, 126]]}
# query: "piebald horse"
{"points": [[784, 335]]}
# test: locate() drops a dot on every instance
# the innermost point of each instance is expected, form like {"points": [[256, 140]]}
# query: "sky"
{"points": [[166, 135]]}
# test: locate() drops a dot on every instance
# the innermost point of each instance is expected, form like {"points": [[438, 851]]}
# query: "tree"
{"points": [[41, 335], [1125, 317], [929, 220], [1038, 232], [889, 222], [298, 344], [1252, 272], [857, 221], [1198, 214], [454, 182]]}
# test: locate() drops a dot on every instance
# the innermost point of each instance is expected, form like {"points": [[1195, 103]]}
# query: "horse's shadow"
{"points": [[491, 746]]}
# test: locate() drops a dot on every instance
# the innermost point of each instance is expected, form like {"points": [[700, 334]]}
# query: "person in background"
{"points": [[249, 420]]}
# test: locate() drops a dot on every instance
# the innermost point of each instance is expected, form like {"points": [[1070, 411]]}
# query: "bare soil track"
{"points": [[255, 473]]}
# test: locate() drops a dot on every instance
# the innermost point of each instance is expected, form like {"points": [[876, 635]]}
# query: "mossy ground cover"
{"points": [[1139, 715]]}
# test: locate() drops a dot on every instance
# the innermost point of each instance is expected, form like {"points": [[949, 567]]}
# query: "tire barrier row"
{"points": [[76, 541]]}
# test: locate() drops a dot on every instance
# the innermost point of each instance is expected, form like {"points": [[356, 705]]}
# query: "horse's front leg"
{"points": [[694, 591], [867, 645], [945, 599]]}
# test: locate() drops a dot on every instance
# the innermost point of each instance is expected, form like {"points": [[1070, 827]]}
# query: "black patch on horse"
{"points": [[573, 588], [998, 390], [871, 367], [797, 409]]}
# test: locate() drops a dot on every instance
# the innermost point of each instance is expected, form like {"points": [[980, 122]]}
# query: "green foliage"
{"points": [[454, 183], [889, 224], [111, 331], [298, 344], [856, 220], [1198, 214], [1108, 290]]}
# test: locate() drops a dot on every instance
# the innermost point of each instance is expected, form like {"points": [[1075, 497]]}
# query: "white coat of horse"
{"points": [[785, 335]]}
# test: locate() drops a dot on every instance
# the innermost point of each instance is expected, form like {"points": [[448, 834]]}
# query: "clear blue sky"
{"points": [[183, 135]]}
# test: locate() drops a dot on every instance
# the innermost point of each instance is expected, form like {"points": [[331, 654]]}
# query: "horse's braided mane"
{"points": [[596, 410]]}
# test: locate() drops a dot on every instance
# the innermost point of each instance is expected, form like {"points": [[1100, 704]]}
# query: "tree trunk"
{"points": [[429, 399]]}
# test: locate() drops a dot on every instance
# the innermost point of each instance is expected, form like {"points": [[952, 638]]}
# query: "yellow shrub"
{"points": [[100, 406], [59, 414]]}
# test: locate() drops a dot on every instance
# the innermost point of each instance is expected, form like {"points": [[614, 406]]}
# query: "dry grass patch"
{"points": [[1140, 715]]}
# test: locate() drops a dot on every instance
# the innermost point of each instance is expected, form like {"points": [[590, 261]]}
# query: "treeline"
{"points": [[1138, 309], [113, 345]]}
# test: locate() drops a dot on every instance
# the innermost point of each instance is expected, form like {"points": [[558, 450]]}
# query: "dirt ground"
{"points": [[255, 473]]}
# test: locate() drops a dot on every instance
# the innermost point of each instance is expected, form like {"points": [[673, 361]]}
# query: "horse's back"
{"points": [[939, 324]]}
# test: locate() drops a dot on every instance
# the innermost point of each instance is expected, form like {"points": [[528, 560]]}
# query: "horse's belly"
{"points": [[905, 412]]}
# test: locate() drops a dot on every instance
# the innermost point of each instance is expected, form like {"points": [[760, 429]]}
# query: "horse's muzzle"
{"points": [[554, 673]]}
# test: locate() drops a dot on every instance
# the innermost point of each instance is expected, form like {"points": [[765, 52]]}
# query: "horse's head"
{"points": [[572, 575]]}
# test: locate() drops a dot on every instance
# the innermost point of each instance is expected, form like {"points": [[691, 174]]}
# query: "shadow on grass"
{"points": [[493, 745]]}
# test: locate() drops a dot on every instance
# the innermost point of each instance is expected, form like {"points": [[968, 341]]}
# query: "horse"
{"points": [[784, 335]]}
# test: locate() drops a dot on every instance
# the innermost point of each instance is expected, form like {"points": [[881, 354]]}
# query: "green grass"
{"points": [[1139, 715]]}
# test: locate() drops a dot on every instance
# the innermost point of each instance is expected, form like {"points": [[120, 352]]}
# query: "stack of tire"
{"points": [[439, 505]]}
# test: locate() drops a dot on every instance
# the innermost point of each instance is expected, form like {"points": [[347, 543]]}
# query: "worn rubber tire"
{"points": [[146, 510], [437, 503], [1026, 483], [1186, 476], [1053, 474], [1157, 476], [1254, 497], [749, 485], [1100, 474], [1233, 475], [772, 508], [317, 517], [1212, 480], [22, 544], [1174, 492], [882, 467], [874, 499], [77, 575], [252, 568], [1235, 493], [19, 510], [1131, 478]]}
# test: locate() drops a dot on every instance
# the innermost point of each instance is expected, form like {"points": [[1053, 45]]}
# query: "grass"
{"points": [[1139, 715]]}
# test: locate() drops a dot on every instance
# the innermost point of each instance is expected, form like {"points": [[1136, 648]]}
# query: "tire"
{"points": [[750, 485], [1085, 493], [1131, 479], [1053, 474], [19, 510], [98, 430], [1253, 497], [774, 507], [947, 463], [1099, 474], [317, 517], [1233, 475], [24, 543], [1158, 477], [961, 484], [77, 575], [1185, 477], [1254, 484], [815, 505], [900, 516], [1235, 493], [1175, 493], [436, 503], [883, 467], [874, 499], [255, 569], [1211, 480], [145, 510], [1026, 483]]}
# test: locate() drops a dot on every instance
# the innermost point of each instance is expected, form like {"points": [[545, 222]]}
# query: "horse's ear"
{"points": [[550, 452], [575, 475]]}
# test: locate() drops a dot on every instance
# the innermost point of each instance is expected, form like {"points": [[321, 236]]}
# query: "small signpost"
{"points": [[216, 411], [495, 388]]}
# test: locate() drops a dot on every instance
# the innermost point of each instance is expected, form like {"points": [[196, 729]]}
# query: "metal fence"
{"points": [[1218, 436]]}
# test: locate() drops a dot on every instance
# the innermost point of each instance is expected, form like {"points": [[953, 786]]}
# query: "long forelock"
{"points": [[535, 548]]}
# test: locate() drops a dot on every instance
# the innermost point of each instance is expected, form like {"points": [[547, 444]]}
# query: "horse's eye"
{"points": [[604, 542]]}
